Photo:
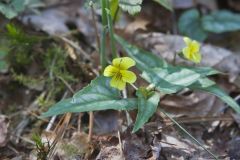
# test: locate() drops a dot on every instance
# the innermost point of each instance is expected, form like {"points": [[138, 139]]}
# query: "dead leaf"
{"points": [[193, 105], [109, 153], [233, 148], [135, 146], [137, 24], [76, 146], [106, 122], [4, 124]]}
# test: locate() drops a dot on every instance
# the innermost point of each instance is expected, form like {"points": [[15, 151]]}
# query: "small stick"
{"points": [[129, 119], [120, 143], [91, 116]]}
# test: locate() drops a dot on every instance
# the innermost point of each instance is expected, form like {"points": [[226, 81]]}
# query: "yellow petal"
{"points": [[110, 71], [117, 82], [123, 63], [186, 52], [195, 46], [187, 41], [128, 76], [197, 57]]}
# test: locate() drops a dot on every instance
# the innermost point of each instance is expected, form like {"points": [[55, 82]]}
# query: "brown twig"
{"points": [[91, 116]]}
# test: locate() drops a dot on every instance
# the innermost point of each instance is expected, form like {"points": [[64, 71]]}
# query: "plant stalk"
{"points": [[111, 32], [103, 60]]}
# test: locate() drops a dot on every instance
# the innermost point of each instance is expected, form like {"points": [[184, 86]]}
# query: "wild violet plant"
{"points": [[103, 92]]}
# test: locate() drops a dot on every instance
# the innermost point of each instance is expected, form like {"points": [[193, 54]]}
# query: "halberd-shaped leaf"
{"points": [[98, 95], [147, 106], [190, 25], [221, 21], [170, 80], [208, 85]]}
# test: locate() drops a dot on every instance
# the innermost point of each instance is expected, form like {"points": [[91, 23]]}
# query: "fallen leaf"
{"points": [[137, 24], [4, 124], [109, 153]]}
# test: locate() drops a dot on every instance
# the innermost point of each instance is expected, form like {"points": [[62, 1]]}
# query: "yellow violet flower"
{"points": [[119, 73], [191, 51]]}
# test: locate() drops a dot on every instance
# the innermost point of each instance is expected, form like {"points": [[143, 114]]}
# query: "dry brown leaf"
{"points": [[4, 124], [106, 122], [76, 146], [195, 104], [138, 23], [109, 153]]}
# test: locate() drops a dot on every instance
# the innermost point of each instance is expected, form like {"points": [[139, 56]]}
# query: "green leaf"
{"points": [[18, 5], [132, 7], [147, 106], [190, 25], [204, 71], [144, 60], [170, 80], [114, 8], [221, 21], [7, 11], [3, 62], [14, 7], [209, 86], [165, 3], [98, 95]]}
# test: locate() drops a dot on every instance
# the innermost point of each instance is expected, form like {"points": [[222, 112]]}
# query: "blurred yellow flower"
{"points": [[191, 51], [119, 73]]}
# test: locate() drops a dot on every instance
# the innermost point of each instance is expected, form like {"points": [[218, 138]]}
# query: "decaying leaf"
{"points": [[193, 105], [109, 153], [137, 24], [4, 123]]}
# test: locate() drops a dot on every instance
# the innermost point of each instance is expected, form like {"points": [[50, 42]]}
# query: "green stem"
{"points": [[103, 57], [104, 14], [111, 32], [103, 60], [185, 131]]}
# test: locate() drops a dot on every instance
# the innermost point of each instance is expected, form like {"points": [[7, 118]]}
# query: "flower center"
{"points": [[118, 75]]}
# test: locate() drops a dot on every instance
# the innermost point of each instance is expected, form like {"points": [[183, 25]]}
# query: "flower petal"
{"points": [[186, 52], [197, 57], [187, 41], [123, 63], [110, 71], [128, 76], [117, 82], [195, 46]]}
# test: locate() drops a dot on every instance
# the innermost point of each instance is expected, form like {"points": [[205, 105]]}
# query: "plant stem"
{"points": [[115, 15], [135, 87], [111, 32], [174, 58], [95, 26], [104, 15], [103, 50], [185, 131], [103, 36]]}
